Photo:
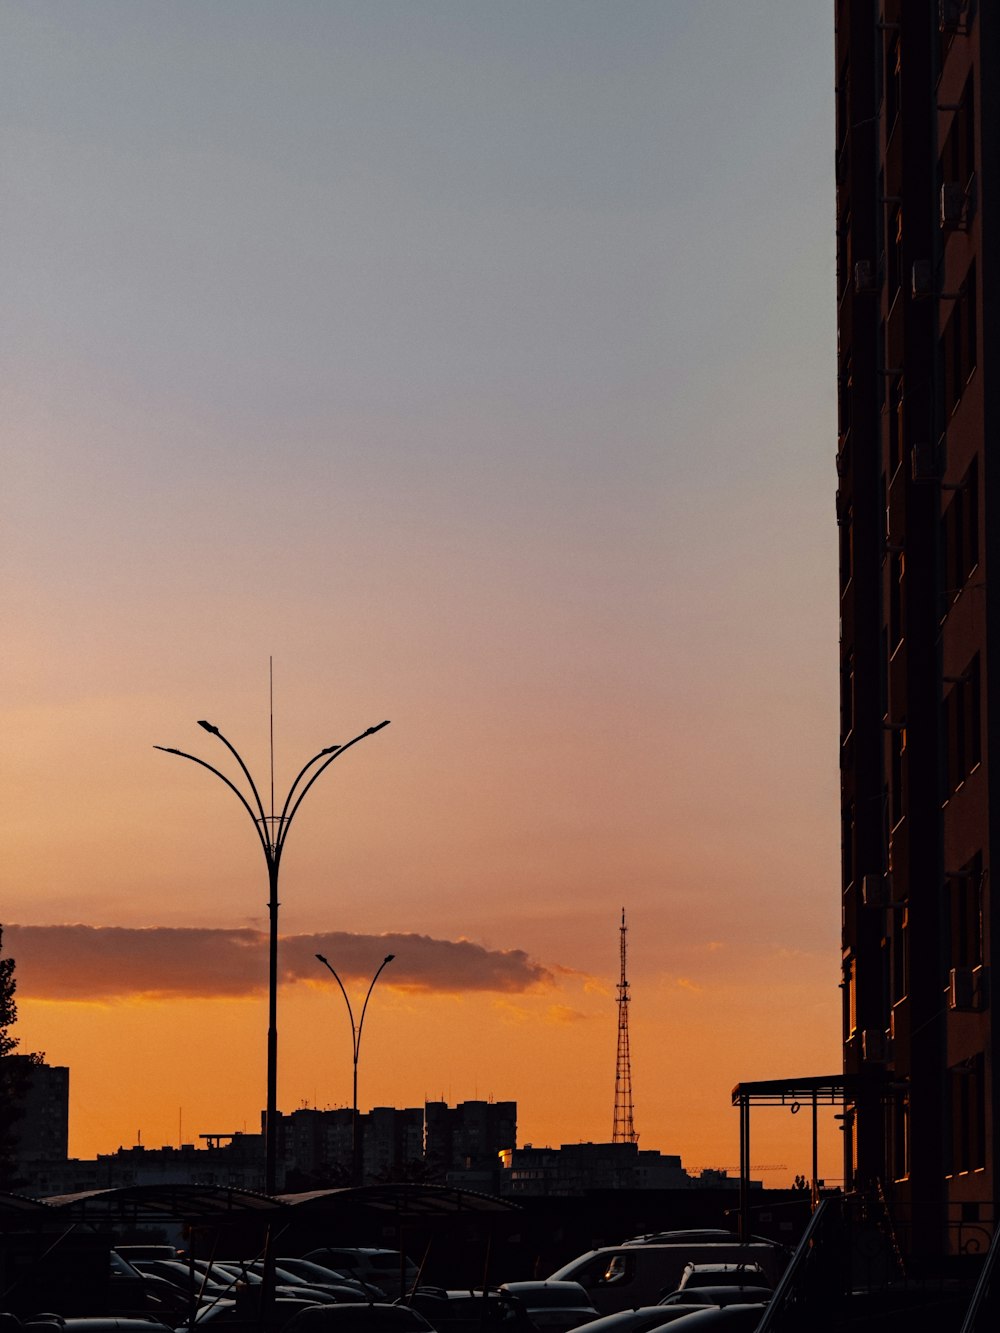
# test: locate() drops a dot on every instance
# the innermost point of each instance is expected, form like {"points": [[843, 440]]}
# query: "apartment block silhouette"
{"points": [[918, 509]]}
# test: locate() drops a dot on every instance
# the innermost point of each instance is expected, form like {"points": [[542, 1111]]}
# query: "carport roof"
{"points": [[149, 1203], [215, 1203], [402, 1200]]}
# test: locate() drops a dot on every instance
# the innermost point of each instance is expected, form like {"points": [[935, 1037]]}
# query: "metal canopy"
{"points": [[14, 1206], [825, 1090], [159, 1203], [206, 1204], [402, 1200]]}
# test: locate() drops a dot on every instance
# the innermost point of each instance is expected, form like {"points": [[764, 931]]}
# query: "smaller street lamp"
{"points": [[356, 1030]]}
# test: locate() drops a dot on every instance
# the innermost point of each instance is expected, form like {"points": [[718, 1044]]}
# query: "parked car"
{"points": [[393, 1272], [320, 1275], [182, 1276], [646, 1319], [97, 1324], [724, 1319], [622, 1277], [291, 1283], [373, 1317], [470, 1310], [555, 1306], [719, 1296], [695, 1236], [226, 1311], [722, 1275]]}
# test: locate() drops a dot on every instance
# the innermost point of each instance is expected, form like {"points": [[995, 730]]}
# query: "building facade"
{"points": [[918, 124], [41, 1133], [574, 1169]]}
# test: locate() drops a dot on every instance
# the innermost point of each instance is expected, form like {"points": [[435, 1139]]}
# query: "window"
{"points": [[897, 742], [967, 1105], [851, 998], [897, 571], [963, 727], [895, 423], [960, 544], [894, 250], [964, 907], [900, 969], [847, 842], [845, 386], [958, 343], [958, 157], [847, 696], [900, 1136], [893, 83]]}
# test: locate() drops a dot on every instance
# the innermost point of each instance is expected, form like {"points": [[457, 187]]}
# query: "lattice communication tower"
{"points": [[624, 1130]]}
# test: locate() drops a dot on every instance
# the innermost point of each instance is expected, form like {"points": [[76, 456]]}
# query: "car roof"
{"points": [[737, 1294], [641, 1319], [709, 1317], [734, 1266]]}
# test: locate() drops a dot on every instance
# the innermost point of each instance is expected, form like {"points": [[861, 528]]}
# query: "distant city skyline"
{"points": [[478, 362]]}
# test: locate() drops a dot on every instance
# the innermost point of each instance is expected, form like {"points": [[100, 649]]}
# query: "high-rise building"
{"points": [[41, 1133], [918, 508]]}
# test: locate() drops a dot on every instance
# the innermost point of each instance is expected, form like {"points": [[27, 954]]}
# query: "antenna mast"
{"points": [[624, 1130]]}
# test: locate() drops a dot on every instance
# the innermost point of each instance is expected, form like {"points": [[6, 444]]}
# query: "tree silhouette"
{"points": [[15, 1074]]}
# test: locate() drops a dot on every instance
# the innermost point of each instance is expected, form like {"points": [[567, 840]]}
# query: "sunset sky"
{"points": [[476, 360]]}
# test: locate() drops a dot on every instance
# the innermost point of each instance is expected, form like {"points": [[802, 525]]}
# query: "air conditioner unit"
{"points": [[924, 461], [922, 279], [953, 204], [876, 890], [874, 1046], [967, 988], [865, 279]]}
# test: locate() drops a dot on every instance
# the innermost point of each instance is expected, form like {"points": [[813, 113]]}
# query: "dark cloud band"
{"points": [[76, 962]]}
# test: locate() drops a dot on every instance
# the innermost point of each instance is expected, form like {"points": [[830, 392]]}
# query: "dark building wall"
{"points": [[917, 129], [470, 1135], [42, 1132]]}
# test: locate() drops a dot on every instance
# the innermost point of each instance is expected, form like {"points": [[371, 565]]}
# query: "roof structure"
{"points": [[214, 1204], [828, 1089], [158, 1203], [402, 1200]]}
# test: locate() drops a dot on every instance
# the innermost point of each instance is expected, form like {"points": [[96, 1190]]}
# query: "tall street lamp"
{"points": [[356, 1030], [272, 830]]}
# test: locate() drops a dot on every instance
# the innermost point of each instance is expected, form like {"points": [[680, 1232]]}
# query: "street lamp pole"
{"points": [[272, 830], [356, 1030]]}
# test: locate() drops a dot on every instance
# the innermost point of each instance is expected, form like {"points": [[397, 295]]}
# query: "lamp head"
{"points": [[322, 959], [388, 958], [207, 726]]}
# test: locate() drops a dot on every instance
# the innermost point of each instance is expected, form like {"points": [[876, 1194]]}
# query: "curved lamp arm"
{"points": [[207, 726], [287, 819], [328, 749], [232, 787], [350, 1012], [387, 959]]}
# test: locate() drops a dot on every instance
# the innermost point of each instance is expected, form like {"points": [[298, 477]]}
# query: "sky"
{"points": [[475, 362]]}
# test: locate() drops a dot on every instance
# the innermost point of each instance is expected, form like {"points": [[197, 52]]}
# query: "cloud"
{"points": [[99, 963], [685, 983]]}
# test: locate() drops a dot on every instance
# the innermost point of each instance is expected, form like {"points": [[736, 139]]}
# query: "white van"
{"points": [[621, 1277]]}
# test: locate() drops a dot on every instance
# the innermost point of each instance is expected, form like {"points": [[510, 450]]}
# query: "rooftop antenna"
{"points": [[624, 1128]]}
